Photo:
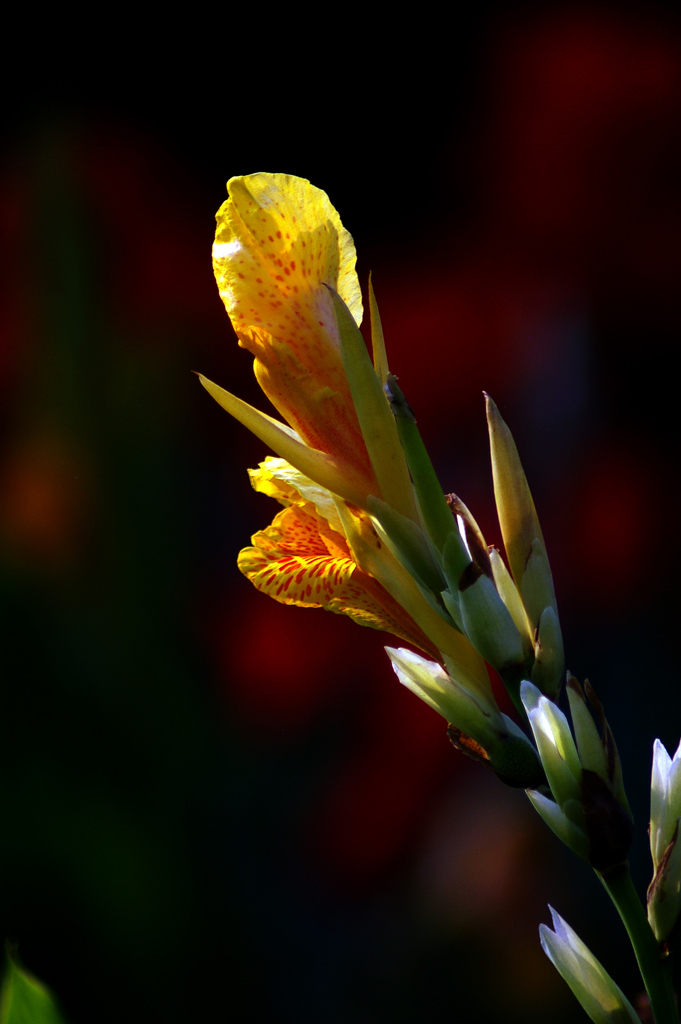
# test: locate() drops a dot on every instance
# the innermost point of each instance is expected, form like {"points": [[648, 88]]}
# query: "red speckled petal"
{"points": [[278, 242], [300, 560]]}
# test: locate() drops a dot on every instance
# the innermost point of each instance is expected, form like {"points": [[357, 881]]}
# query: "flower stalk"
{"points": [[653, 963]]}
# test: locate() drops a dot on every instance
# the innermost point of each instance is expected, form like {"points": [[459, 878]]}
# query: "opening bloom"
{"points": [[285, 268], [303, 557], [597, 993]]}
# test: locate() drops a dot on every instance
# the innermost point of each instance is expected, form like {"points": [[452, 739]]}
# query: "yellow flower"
{"points": [[365, 530], [285, 268]]}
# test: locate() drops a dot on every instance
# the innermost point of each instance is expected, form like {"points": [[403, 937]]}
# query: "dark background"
{"points": [[215, 807]]}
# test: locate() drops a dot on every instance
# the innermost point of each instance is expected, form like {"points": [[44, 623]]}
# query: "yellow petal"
{"points": [[300, 560], [280, 480], [272, 221], [278, 242]]}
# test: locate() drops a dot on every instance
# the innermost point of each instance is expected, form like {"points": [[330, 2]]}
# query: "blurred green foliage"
{"points": [[25, 1000], [106, 749]]}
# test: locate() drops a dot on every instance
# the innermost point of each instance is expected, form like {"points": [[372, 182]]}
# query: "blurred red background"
{"points": [[214, 805]]}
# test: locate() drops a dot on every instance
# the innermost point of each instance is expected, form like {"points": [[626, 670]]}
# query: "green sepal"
{"points": [[549, 661], [556, 747], [373, 412], [410, 544], [435, 513], [518, 519], [515, 760], [487, 623], [470, 533], [457, 562], [509, 595], [451, 602], [282, 439], [597, 751], [517, 514], [536, 583], [587, 737], [476, 726], [381, 563], [664, 892], [458, 698], [377, 339], [609, 827], [569, 832]]}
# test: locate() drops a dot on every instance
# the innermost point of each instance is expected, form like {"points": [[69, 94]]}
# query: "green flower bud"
{"points": [[526, 553], [664, 892], [597, 993], [549, 662], [485, 620], [584, 813], [476, 725]]}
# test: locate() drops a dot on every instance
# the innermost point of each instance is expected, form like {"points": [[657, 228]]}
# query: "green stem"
{"points": [[653, 964]]}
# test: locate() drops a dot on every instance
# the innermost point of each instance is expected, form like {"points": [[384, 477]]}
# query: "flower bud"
{"points": [[595, 990], [526, 552], [664, 892], [485, 620], [584, 812], [476, 725], [547, 670], [511, 598], [597, 752]]}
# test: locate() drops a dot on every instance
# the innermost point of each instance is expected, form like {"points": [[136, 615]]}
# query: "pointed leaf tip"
{"points": [[283, 440]]}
